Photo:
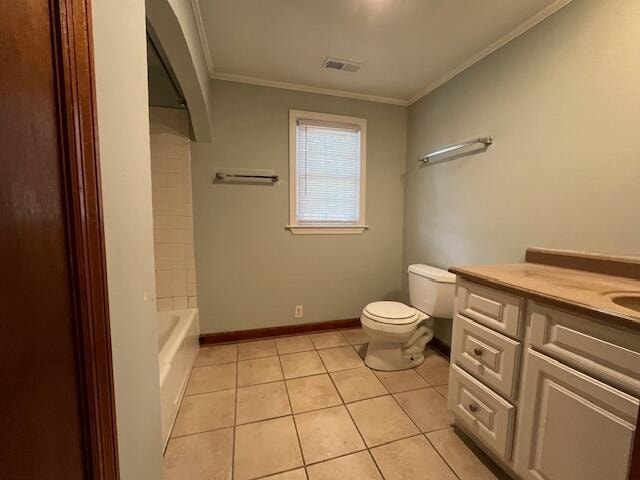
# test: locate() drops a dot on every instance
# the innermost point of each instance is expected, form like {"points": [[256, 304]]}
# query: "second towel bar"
{"points": [[486, 141]]}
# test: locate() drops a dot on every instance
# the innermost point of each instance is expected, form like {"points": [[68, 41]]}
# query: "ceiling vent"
{"points": [[342, 65]]}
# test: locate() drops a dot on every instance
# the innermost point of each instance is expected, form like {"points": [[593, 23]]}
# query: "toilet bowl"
{"points": [[398, 333]]}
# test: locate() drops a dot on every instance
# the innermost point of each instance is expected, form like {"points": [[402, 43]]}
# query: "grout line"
{"points": [[203, 431], [205, 393], [299, 351], [263, 383], [442, 457], [293, 419], [350, 416], [264, 419], [365, 449], [235, 417], [398, 403], [266, 477], [424, 434], [215, 364], [257, 358], [388, 443]]}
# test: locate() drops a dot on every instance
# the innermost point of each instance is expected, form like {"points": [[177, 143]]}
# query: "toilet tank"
{"points": [[431, 290]]}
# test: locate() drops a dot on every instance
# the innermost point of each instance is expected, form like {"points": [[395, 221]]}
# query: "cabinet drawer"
{"points": [[606, 353], [487, 355], [482, 411], [493, 308]]}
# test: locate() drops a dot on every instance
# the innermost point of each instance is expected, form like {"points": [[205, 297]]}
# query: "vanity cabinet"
{"points": [[549, 394]]}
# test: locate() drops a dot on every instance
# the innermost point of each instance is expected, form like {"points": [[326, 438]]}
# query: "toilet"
{"points": [[399, 333]]}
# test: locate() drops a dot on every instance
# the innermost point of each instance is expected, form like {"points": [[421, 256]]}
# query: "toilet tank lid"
{"points": [[432, 273]]}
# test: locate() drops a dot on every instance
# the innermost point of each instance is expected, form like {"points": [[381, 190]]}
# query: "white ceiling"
{"points": [[408, 47]]}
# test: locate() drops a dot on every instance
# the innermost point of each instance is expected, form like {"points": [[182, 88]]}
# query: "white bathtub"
{"points": [[178, 332]]}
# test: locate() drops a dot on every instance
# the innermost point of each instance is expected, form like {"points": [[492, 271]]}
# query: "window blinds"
{"points": [[328, 173]]}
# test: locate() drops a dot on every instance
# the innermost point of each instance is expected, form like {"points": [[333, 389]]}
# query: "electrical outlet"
{"points": [[298, 311]]}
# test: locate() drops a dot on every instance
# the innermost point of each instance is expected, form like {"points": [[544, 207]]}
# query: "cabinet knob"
{"points": [[477, 352], [473, 408]]}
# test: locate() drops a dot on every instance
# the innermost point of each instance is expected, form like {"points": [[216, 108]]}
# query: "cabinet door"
{"points": [[573, 427]]}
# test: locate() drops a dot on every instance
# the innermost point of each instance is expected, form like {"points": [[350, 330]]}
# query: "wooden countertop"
{"points": [[580, 291]]}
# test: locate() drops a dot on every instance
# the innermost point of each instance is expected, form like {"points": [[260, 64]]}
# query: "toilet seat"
{"points": [[391, 313]]}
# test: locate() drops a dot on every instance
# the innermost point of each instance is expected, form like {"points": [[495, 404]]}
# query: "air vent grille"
{"points": [[342, 65]]}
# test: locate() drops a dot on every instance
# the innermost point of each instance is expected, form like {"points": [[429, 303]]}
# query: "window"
{"points": [[327, 173]]}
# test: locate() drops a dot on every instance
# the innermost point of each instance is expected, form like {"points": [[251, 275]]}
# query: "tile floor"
{"points": [[306, 407]]}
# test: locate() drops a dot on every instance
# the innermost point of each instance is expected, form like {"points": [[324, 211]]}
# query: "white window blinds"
{"points": [[328, 173]]}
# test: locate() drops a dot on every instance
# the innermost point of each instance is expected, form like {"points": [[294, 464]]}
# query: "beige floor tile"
{"points": [[298, 474], [426, 408], [357, 466], [265, 448], [358, 384], [329, 340], [460, 458], [207, 411], [435, 368], [340, 358], [312, 393], [327, 434], [356, 336], [381, 420], [263, 348], [205, 456], [259, 370], [443, 390], [217, 355], [401, 380], [212, 378], [300, 343], [301, 364], [260, 402], [412, 458]]}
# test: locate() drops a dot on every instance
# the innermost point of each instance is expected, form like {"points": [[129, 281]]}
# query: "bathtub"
{"points": [[178, 345]]}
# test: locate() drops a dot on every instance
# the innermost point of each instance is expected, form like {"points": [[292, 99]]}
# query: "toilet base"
{"points": [[389, 357]]}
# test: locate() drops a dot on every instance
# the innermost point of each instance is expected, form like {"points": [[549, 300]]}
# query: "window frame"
{"points": [[325, 228]]}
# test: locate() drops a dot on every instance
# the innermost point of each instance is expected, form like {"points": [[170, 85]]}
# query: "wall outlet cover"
{"points": [[298, 311]]}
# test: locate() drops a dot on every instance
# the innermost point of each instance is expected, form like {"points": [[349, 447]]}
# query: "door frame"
{"points": [[72, 41]]}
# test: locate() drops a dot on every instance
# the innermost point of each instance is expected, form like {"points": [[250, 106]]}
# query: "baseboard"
{"points": [[440, 347], [238, 335]]}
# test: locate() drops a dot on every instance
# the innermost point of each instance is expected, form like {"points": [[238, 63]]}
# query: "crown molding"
{"points": [[229, 77], [502, 41], [516, 32], [202, 35]]}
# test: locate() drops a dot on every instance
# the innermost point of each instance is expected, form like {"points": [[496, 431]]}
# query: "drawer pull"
{"points": [[477, 352], [473, 408]]}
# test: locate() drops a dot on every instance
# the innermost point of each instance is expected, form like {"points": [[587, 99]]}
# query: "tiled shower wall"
{"points": [[172, 209]]}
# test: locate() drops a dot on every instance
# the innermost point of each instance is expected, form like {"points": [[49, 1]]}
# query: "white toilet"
{"points": [[398, 333]]}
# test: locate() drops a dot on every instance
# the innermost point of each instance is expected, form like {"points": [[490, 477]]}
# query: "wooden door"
{"points": [[573, 427], [56, 405]]}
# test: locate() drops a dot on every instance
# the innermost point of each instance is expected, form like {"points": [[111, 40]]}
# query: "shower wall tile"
{"points": [[172, 209]]}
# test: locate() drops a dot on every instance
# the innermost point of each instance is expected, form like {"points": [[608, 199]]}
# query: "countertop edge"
{"points": [[605, 316]]}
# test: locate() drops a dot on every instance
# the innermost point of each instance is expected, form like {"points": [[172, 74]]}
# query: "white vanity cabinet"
{"points": [[550, 394]]}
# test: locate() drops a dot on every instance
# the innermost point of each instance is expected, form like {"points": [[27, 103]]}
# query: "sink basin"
{"points": [[628, 301]]}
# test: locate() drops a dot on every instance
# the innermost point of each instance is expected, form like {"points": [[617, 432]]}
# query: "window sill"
{"points": [[327, 229]]}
